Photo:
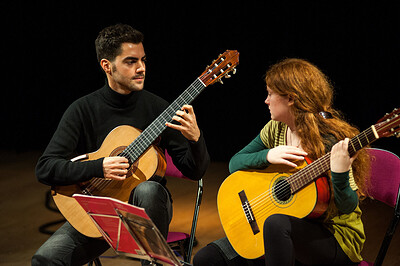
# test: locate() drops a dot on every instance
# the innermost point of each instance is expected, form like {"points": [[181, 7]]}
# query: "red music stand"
{"points": [[128, 229]]}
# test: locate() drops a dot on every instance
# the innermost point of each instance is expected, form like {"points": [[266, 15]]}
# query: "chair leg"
{"points": [[389, 233], [386, 241], [194, 222], [96, 262]]}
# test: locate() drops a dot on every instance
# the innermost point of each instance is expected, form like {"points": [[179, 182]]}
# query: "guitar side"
{"points": [[151, 163], [257, 185]]}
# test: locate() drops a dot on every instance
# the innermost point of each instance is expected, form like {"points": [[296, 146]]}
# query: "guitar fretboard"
{"points": [[306, 175], [150, 134]]}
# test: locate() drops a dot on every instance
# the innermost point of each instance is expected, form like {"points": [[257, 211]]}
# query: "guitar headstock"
{"points": [[220, 67], [388, 125]]}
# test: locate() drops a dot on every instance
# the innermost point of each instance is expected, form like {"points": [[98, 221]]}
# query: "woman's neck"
{"points": [[290, 122]]}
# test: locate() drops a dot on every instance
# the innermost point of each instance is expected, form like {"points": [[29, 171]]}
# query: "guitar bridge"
{"points": [[248, 212]]}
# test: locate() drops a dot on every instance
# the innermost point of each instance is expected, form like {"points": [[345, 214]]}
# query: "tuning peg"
{"points": [[220, 81], [227, 76], [234, 71]]}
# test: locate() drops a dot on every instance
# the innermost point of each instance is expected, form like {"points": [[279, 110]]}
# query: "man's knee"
{"points": [[149, 191], [149, 188], [39, 260]]}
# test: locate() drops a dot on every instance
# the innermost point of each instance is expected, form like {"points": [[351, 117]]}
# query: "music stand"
{"points": [[128, 229]]}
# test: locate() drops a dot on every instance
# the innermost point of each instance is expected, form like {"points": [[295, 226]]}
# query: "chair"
{"points": [[179, 241], [385, 187]]}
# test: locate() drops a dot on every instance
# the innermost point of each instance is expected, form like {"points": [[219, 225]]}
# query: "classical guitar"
{"points": [[247, 198], [146, 159]]}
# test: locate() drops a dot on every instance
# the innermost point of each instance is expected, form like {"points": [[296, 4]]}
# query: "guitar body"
{"points": [[152, 162], [261, 189]]}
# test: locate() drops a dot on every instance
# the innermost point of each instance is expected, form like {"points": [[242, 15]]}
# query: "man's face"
{"points": [[128, 70]]}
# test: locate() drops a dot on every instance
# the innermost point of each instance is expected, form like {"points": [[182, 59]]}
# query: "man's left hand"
{"points": [[188, 124]]}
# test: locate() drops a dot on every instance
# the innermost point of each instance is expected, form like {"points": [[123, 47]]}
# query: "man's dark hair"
{"points": [[108, 42]]}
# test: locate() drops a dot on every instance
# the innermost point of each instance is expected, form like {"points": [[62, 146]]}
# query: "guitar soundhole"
{"points": [[282, 191]]}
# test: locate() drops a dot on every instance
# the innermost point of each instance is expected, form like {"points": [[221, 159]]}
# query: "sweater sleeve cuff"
{"points": [[346, 199], [199, 142], [96, 167], [341, 180]]}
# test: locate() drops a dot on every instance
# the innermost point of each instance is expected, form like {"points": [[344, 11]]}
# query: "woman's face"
{"points": [[279, 106]]}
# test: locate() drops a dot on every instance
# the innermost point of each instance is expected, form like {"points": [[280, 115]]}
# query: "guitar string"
{"points": [[198, 82], [389, 123], [322, 162], [268, 206], [100, 184], [168, 113], [182, 99], [186, 97], [256, 202], [260, 214], [264, 208], [142, 142], [355, 144]]}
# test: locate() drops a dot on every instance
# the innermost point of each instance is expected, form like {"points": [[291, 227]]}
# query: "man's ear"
{"points": [[106, 66]]}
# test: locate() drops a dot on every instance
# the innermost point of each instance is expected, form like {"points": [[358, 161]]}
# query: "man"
{"points": [[86, 123]]}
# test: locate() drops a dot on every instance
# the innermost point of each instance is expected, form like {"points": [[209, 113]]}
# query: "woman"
{"points": [[303, 123]]}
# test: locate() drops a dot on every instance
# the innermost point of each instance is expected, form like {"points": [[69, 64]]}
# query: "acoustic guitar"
{"points": [[247, 198], [146, 159]]}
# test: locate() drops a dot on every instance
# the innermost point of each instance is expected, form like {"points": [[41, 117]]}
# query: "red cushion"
{"points": [[171, 168], [365, 263], [176, 236]]}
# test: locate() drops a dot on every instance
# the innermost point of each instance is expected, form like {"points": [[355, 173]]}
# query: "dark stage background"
{"points": [[50, 60]]}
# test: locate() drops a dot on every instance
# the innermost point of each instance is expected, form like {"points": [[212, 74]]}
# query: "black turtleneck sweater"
{"points": [[88, 120]]}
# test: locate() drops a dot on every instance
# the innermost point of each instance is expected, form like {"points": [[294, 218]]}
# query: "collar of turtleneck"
{"points": [[118, 100]]}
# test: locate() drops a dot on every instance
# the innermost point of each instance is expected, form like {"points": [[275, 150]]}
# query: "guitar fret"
{"points": [[309, 173], [306, 175], [359, 141], [149, 135], [366, 136], [352, 146]]}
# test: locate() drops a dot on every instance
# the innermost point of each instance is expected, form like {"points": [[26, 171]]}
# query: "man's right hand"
{"points": [[115, 167]]}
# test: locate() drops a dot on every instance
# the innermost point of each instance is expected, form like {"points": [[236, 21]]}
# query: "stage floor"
{"points": [[22, 210]]}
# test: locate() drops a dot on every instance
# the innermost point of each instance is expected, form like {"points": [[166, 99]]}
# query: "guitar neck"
{"points": [[219, 68], [308, 174], [151, 133]]}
